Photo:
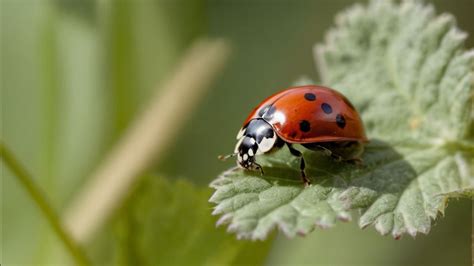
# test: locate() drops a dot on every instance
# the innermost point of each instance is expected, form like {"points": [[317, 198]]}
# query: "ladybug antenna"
{"points": [[225, 157]]}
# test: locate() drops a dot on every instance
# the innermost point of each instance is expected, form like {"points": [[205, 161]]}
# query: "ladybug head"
{"points": [[256, 137]]}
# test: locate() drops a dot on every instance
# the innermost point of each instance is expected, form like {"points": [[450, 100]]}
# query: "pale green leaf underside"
{"points": [[406, 71]]}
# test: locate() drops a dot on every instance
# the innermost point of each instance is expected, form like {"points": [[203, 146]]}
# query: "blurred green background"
{"points": [[75, 73]]}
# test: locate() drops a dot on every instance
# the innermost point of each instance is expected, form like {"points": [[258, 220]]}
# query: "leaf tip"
{"points": [[302, 233], [382, 229], [214, 198], [224, 219], [323, 224], [344, 217], [217, 210], [412, 232], [363, 225], [232, 228]]}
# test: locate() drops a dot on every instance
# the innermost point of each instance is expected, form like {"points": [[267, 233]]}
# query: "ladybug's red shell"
{"points": [[309, 114]]}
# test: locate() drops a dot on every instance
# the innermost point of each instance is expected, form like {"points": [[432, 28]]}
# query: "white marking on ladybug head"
{"points": [[266, 144], [241, 133], [256, 138], [236, 149], [250, 152]]}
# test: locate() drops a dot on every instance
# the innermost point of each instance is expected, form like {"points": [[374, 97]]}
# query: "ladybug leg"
{"points": [[351, 152], [259, 167], [297, 153], [336, 157], [326, 151], [356, 161], [332, 152]]}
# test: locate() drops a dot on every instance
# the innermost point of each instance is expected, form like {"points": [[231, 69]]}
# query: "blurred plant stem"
{"points": [[42, 202], [146, 139]]}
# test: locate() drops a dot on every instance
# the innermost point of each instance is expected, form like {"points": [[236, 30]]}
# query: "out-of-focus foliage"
{"points": [[168, 223], [73, 75], [408, 74]]}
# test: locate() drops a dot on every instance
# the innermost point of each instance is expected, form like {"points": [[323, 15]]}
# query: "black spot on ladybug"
{"points": [[310, 96], [340, 121], [263, 110], [326, 108], [269, 113], [305, 126]]}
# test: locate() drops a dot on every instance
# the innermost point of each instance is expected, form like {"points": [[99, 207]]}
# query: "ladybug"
{"points": [[316, 117]]}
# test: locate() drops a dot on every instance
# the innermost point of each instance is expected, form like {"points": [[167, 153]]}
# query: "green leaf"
{"points": [[462, 193], [168, 223], [407, 73]]}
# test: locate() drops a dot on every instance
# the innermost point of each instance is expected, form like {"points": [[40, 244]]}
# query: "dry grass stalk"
{"points": [[146, 139]]}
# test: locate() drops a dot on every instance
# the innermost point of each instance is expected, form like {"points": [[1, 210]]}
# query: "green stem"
{"points": [[40, 199]]}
